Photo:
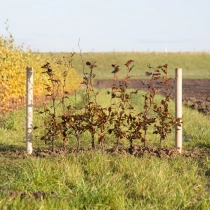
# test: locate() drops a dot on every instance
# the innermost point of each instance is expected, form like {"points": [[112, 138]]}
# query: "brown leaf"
{"points": [[148, 73], [129, 62]]}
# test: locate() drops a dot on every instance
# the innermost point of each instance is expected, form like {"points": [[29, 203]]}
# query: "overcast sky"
{"points": [[108, 25]]}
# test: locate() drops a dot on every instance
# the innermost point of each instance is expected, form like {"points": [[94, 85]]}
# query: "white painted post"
{"points": [[178, 108], [29, 109]]}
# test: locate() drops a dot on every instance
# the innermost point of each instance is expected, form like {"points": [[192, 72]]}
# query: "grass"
{"points": [[97, 180], [194, 65], [102, 181]]}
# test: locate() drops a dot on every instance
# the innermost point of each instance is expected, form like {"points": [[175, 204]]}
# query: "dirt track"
{"points": [[195, 92]]}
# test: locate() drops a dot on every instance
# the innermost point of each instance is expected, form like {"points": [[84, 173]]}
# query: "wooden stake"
{"points": [[29, 109], [178, 108]]}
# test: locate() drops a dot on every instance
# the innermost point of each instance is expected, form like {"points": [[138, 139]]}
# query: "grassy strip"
{"points": [[96, 180], [12, 126], [194, 65], [102, 181]]}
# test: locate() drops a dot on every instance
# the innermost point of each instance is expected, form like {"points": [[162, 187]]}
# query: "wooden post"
{"points": [[178, 108], [29, 109]]}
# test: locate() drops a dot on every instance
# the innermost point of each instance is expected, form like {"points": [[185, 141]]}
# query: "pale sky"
{"points": [[108, 25]]}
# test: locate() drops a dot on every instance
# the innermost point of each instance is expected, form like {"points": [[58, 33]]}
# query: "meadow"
{"points": [[95, 179], [194, 65]]}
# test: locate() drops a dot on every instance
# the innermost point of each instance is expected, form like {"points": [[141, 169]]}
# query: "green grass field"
{"points": [[97, 180], [194, 65]]}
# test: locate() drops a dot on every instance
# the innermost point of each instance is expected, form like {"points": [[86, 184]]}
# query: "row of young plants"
{"points": [[64, 118]]}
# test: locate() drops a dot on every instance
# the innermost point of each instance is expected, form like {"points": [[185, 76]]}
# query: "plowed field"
{"points": [[195, 92]]}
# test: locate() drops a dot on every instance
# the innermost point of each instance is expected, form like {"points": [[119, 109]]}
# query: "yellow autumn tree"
{"points": [[13, 62]]}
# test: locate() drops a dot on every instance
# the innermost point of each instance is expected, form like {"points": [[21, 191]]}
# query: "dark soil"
{"points": [[12, 194], [138, 151], [20, 104]]}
